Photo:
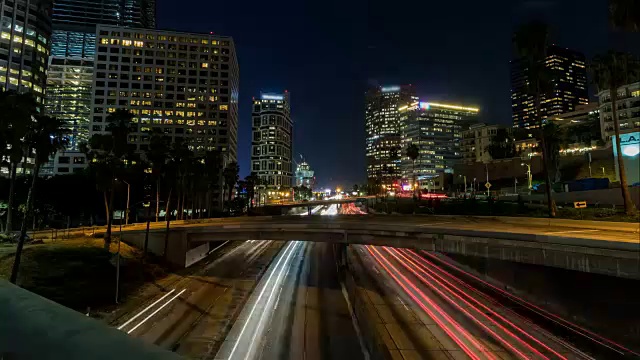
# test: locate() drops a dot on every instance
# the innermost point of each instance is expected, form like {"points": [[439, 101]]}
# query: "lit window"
{"points": [[104, 41], [204, 65], [29, 42], [224, 107], [114, 41], [17, 39], [126, 42], [138, 43]]}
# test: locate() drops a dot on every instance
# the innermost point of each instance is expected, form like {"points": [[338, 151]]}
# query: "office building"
{"points": [[436, 129], [183, 85], [25, 32], [304, 175], [568, 87], [272, 140], [383, 132], [73, 46], [476, 140], [628, 104]]}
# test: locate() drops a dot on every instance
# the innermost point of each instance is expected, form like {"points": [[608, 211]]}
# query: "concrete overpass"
{"points": [[603, 248], [283, 209]]}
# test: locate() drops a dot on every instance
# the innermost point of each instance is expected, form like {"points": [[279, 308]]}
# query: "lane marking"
{"points": [[219, 246], [145, 309], [354, 321], [570, 231], [438, 223], [155, 312]]}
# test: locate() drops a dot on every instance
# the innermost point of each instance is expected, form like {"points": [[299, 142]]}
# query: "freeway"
{"points": [[435, 308], [297, 311], [190, 316]]}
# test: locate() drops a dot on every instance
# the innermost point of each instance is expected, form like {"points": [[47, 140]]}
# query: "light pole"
{"points": [[126, 221], [528, 174], [486, 170]]}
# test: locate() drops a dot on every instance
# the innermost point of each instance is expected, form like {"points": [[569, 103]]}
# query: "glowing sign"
{"points": [[428, 105], [390, 88], [272, 97], [631, 150]]}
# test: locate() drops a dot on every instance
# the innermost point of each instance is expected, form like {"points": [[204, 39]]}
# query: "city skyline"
{"points": [[454, 67]]}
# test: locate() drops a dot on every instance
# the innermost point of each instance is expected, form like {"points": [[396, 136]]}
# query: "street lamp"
{"points": [[126, 221], [528, 174]]}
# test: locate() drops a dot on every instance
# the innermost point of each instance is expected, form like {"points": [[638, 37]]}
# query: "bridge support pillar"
{"points": [[309, 210]]}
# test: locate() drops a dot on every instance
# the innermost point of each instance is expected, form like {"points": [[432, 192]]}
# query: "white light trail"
{"points": [[255, 324], [155, 312], [145, 309]]}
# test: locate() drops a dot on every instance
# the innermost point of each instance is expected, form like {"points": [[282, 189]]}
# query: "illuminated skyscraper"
{"points": [[304, 175], [383, 132], [73, 46], [568, 87], [436, 129], [272, 141], [24, 46]]}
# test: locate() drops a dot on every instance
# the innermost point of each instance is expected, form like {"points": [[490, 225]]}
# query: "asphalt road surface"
{"points": [[433, 310], [193, 317], [298, 311]]}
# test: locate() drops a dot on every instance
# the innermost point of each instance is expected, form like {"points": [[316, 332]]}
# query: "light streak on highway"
{"points": [[331, 210], [252, 324], [574, 328], [466, 341], [480, 324]]}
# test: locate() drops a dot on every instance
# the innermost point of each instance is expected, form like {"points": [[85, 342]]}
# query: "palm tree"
{"points": [[213, 165], [110, 156], [251, 180], [16, 115], [413, 152], [231, 177], [157, 156], [610, 71], [531, 41], [45, 136]]}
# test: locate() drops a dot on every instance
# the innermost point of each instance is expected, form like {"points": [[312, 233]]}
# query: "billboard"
{"points": [[630, 149]]}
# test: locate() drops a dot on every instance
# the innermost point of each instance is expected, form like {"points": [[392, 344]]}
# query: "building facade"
{"points": [[272, 140], [70, 78], [304, 175], [383, 130], [568, 88], [475, 141], [628, 110], [25, 33], [437, 131]]}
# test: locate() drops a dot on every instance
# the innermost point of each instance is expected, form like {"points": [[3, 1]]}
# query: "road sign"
{"points": [[579, 204], [487, 185]]}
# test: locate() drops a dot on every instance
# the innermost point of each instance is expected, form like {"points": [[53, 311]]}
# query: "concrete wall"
{"points": [[196, 254], [603, 197]]}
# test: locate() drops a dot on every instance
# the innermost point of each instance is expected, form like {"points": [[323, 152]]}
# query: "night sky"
{"points": [[326, 52]]}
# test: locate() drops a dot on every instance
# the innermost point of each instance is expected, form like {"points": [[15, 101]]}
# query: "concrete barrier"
{"points": [[32, 327]]}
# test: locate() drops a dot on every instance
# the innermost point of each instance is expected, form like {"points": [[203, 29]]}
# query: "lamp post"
{"points": [[126, 221], [528, 174]]}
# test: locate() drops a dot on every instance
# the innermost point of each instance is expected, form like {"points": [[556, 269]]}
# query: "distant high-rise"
{"points": [[568, 87], [304, 175], [436, 129], [383, 131], [272, 140], [25, 33], [73, 46]]}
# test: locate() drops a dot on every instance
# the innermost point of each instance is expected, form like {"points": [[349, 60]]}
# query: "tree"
{"points": [[531, 41], [156, 155], [413, 152], [252, 180], [554, 137], [45, 136], [212, 170], [624, 15], [610, 71], [231, 177], [16, 116], [502, 145], [110, 156]]}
